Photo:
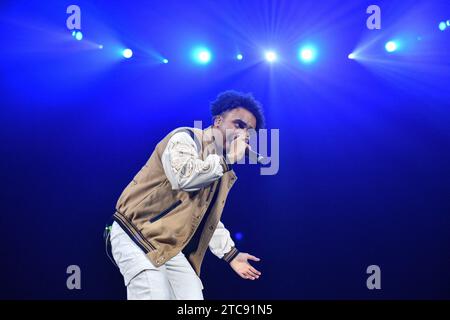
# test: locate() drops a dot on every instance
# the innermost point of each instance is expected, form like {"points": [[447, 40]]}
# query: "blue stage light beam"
{"points": [[239, 56], [442, 26]]}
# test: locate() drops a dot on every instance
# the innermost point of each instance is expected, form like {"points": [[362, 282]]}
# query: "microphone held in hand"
{"points": [[259, 158]]}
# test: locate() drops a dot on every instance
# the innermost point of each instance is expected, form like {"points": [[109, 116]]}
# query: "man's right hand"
{"points": [[237, 149]]}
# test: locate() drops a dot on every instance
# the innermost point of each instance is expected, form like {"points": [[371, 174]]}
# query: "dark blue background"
{"points": [[364, 145]]}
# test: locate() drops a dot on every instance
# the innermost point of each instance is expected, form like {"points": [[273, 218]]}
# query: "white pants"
{"points": [[176, 279]]}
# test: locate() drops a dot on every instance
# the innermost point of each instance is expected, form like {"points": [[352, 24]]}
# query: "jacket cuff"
{"points": [[229, 256]]}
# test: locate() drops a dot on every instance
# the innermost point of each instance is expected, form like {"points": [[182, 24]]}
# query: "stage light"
{"points": [[270, 56], [239, 57], [73, 33], [100, 46], [165, 61], [442, 26], [202, 55], [307, 54], [352, 56], [238, 236], [78, 35], [127, 53], [448, 23], [391, 46]]}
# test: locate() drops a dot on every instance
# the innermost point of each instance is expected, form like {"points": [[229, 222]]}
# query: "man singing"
{"points": [[169, 214]]}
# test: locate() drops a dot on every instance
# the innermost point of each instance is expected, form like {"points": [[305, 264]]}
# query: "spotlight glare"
{"points": [[100, 46], [307, 54], [202, 56], [165, 61], [78, 35], [448, 23], [391, 46], [239, 57], [239, 236], [352, 56], [271, 56], [127, 53], [442, 26]]}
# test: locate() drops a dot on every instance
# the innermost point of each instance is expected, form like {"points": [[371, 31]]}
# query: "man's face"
{"points": [[235, 122]]}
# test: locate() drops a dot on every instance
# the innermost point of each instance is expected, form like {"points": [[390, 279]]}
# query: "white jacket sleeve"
{"points": [[221, 244], [184, 168]]}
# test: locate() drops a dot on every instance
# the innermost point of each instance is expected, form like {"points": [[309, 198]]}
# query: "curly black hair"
{"points": [[231, 99]]}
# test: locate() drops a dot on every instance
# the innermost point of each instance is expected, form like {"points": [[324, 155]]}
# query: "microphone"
{"points": [[259, 158]]}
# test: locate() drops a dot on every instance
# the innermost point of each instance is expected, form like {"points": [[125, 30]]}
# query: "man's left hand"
{"points": [[243, 268]]}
